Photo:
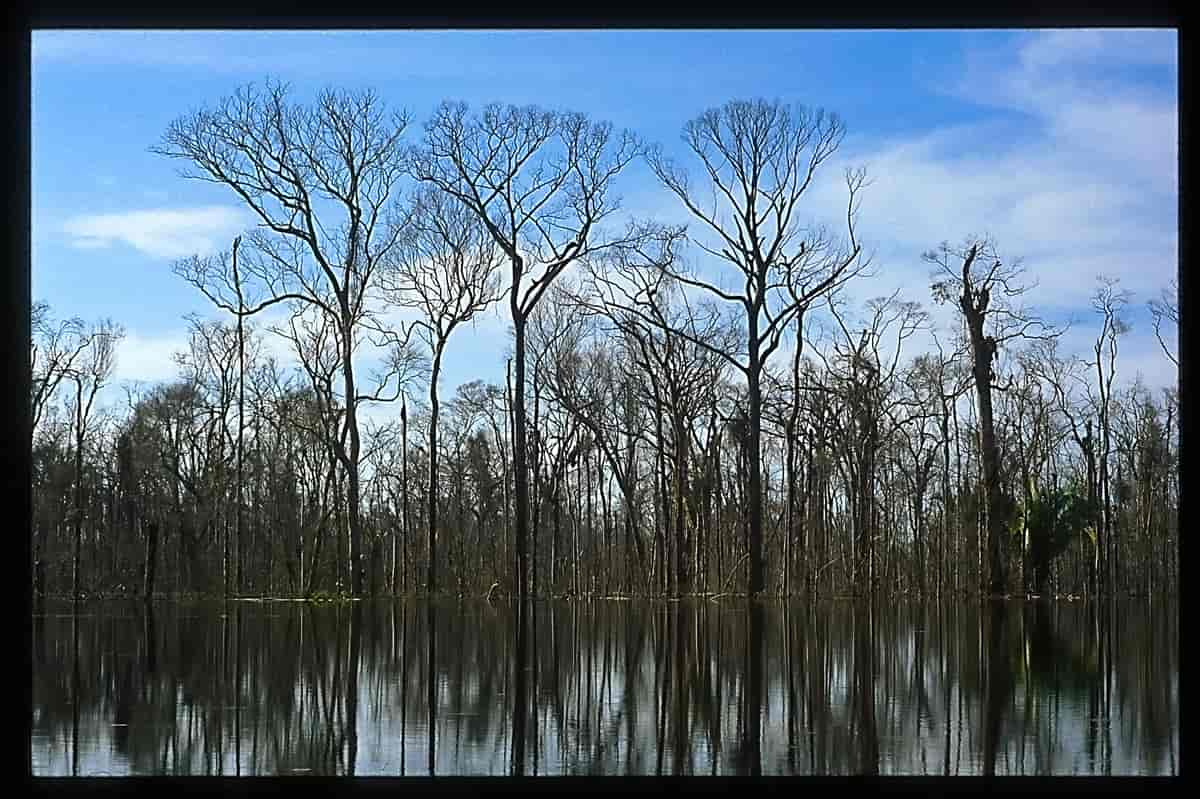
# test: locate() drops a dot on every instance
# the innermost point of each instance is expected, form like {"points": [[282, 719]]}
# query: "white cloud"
{"points": [[161, 232], [1048, 49], [1086, 186], [90, 243], [194, 49], [143, 358]]}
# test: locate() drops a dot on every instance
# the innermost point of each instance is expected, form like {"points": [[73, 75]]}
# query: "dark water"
{"points": [[283, 688]]}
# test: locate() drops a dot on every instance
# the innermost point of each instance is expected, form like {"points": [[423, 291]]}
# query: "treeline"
{"points": [[657, 433]]}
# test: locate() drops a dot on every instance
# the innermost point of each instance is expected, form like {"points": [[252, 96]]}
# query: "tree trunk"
{"points": [[681, 466], [983, 348], [351, 459], [589, 530], [628, 490], [404, 490], [754, 463], [77, 522], [790, 478], [556, 514], [241, 336], [662, 510], [151, 559], [520, 469], [431, 574], [536, 499], [945, 546]]}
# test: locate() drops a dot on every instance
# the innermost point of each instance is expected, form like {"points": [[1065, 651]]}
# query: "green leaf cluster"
{"points": [[1052, 519]]}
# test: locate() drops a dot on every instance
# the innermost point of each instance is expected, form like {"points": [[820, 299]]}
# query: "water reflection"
{"points": [[675, 688]]}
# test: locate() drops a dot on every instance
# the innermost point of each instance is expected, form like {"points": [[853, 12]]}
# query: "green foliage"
{"points": [[1052, 519]]}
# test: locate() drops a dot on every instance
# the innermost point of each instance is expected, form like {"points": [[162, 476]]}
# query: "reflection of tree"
{"points": [[1056, 665], [282, 688], [999, 683], [864, 727], [754, 687]]}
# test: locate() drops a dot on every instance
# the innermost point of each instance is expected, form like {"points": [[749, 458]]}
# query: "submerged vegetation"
{"points": [[698, 410]]}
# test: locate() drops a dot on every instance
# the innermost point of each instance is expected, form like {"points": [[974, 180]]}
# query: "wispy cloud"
{"points": [[315, 54], [1048, 49], [1083, 184], [148, 358], [228, 51], [162, 233], [1086, 185], [1083, 88]]}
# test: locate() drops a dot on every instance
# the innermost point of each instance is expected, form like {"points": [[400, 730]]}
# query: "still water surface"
{"points": [[284, 688]]}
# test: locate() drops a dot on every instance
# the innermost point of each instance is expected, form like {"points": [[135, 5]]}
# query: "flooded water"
{"points": [[694, 687]]}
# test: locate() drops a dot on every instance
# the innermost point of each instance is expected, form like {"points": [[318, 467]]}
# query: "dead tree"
{"points": [[1165, 310], [640, 302], [319, 180], [1062, 374], [54, 351], [864, 372], [1108, 303], [89, 374], [447, 271], [759, 159], [984, 288], [541, 184]]}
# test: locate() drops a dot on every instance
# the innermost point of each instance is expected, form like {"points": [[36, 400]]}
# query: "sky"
{"points": [[1062, 145]]}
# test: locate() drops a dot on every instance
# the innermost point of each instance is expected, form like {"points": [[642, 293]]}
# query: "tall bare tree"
{"points": [[1061, 375], [89, 374], [446, 270], [864, 374], [1108, 301], [541, 184], [55, 347], [220, 280], [759, 159], [320, 180], [985, 290]]}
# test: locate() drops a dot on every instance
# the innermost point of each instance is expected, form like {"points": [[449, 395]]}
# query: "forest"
{"points": [[697, 410]]}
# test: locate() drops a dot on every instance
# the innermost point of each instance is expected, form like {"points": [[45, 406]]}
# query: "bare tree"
{"points": [[1108, 302], [53, 351], [864, 372], [446, 270], [922, 404], [541, 183], [1062, 375], [1165, 309], [209, 363], [320, 180], [759, 159], [985, 290], [89, 375], [488, 402], [661, 332], [220, 280]]}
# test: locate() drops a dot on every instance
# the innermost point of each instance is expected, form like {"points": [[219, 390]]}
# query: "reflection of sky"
{"points": [[1040, 733]]}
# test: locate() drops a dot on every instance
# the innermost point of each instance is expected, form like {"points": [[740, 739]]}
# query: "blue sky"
{"points": [[1062, 145]]}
